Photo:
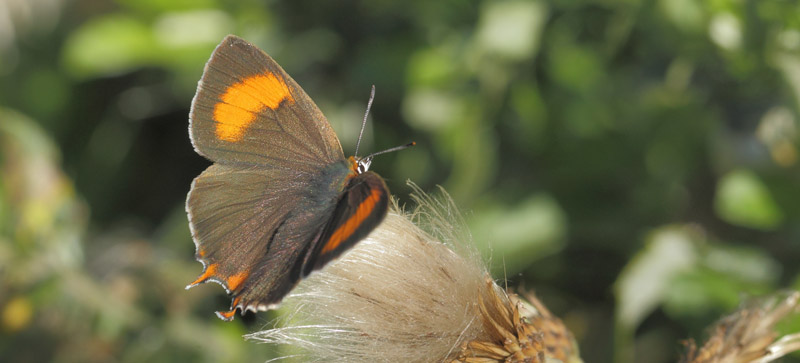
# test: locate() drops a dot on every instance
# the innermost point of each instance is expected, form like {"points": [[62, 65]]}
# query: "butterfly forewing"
{"points": [[248, 110]]}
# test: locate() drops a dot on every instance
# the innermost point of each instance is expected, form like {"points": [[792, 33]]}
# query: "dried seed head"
{"points": [[519, 331], [406, 295], [748, 335]]}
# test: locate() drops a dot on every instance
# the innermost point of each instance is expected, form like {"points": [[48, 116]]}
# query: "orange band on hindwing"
{"points": [[242, 101], [235, 281], [351, 224], [210, 270]]}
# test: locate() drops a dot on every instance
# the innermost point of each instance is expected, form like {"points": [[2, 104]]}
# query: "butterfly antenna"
{"points": [[396, 148], [364, 123]]}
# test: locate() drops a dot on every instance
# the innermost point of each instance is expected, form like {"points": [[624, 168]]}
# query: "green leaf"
{"points": [[511, 29], [109, 45], [645, 281], [744, 264], [742, 199], [514, 237]]}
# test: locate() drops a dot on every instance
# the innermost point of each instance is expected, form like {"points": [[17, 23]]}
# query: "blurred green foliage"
{"points": [[635, 162]]}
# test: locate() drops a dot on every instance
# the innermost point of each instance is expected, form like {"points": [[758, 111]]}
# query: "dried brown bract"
{"points": [[519, 331], [749, 335]]}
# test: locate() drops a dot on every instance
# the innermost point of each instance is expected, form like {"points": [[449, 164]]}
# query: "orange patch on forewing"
{"points": [[206, 274], [351, 224], [242, 101], [235, 281]]}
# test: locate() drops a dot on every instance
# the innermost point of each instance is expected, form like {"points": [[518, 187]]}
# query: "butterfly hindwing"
{"points": [[361, 208], [244, 222]]}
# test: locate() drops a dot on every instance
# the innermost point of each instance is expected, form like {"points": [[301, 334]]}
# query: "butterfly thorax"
{"points": [[333, 180]]}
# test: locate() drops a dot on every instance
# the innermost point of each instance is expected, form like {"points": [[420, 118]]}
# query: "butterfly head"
{"points": [[362, 164]]}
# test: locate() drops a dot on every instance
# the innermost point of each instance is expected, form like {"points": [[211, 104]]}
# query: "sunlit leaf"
{"points": [[575, 67], [645, 281], [703, 291], [514, 237], [511, 29], [726, 31], [744, 200], [430, 67], [110, 45], [687, 15], [431, 109], [189, 28], [745, 264]]}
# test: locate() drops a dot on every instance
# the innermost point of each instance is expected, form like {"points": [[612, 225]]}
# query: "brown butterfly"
{"points": [[281, 200]]}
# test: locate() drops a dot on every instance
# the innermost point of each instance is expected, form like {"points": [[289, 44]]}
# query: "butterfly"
{"points": [[281, 200]]}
